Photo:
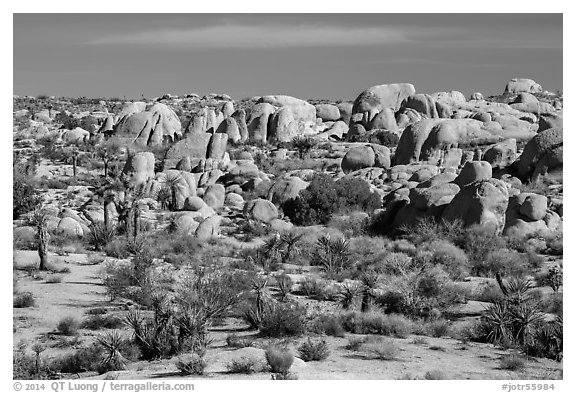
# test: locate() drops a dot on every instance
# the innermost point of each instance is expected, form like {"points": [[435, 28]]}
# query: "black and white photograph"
{"points": [[227, 196]]}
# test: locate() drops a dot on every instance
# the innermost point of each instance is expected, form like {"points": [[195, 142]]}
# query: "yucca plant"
{"points": [[289, 242], [112, 342], [348, 292], [525, 318], [498, 320], [333, 255]]}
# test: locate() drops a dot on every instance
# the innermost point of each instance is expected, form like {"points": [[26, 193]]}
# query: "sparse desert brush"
{"points": [[23, 300], [434, 375], [235, 341], [449, 256], [100, 235], [81, 360], [355, 343], [67, 326], [327, 324], [512, 363], [53, 279], [285, 284], [284, 319], [438, 328], [279, 360], [97, 322], [381, 349], [317, 288], [313, 350], [191, 364], [374, 322], [243, 365]]}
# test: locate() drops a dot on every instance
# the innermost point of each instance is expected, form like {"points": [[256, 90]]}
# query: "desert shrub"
{"points": [[354, 344], [324, 197], [303, 145], [431, 282], [512, 363], [452, 258], [316, 288], [67, 326], [284, 285], [381, 349], [112, 343], [394, 263], [332, 255], [434, 375], [547, 340], [327, 324], [23, 300], [279, 360], [82, 360], [97, 322], [503, 261], [235, 341], [117, 248], [313, 350], [192, 364], [553, 278], [25, 198], [243, 365], [30, 367], [100, 235], [553, 304], [490, 293], [354, 224], [438, 328], [53, 279], [347, 294], [283, 319], [376, 323]]}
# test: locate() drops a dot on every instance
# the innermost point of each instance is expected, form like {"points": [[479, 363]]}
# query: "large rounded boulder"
{"points": [[260, 210]]}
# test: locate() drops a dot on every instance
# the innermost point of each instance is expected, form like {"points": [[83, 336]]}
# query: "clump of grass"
{"points": [[235, 341], [382, 349], [24, 300], [243, 365], [354, 344], [313, 351], [512, 363], [279, 360], [67, 326], [329, 325], [439, 328], [54, 279], [98, 321], [191, 365], [434, 375]]}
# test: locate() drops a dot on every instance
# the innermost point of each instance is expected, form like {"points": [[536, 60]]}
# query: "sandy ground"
{"points": [[81, 290]]}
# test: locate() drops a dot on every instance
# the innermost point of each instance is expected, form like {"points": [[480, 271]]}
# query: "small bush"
{"points": [[316, 289], [24, 300], [313, 351], [97, 322], [439, 328], [279, 360], [382, 350], [512, 363], [376, 323], [329, 325], [284, 319], [235, 341], [244, 365], [82, 360], [54, 279], [67, 326], [354, 344], [434, 375], [191, 365]]}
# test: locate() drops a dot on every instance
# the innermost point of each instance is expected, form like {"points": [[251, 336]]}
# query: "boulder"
{"points": [[69, 227], [230, 128], [151, 127], [193, 146], [474, 171], [543, 147], [139, 168], [258, 123], [217, 146], [286, 188], [357, 158], [522, 85], [234, 200], [240, 117], [261, 210], [501, 154], [327, 112], [534, 206], [214, 196], [209, 228], [376, 98], [483, 202], [76, 136]]}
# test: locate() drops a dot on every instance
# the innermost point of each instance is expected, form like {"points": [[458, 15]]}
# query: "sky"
{"points": [[331, 56]]}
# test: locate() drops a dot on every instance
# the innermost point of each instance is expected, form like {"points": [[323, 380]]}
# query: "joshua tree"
{"points": [[369, 280], [40, 218]]}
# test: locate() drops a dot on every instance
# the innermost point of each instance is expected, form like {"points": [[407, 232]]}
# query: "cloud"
{"points": [[265, 36]]}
